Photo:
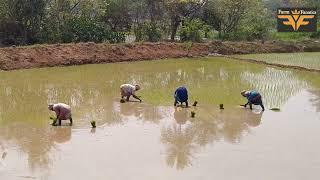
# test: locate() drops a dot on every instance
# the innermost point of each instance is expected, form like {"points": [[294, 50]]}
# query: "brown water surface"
{"points": [[154, 140]]}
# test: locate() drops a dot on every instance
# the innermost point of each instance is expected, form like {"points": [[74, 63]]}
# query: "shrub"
{"points": [[116, 37], [254, 24], [153, 32], [148, 31], [289, 36], [315, 35], [11, 33], [192, 30], [83, 30]]}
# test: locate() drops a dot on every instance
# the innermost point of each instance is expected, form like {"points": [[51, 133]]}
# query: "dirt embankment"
{"points": [[90, 53]]}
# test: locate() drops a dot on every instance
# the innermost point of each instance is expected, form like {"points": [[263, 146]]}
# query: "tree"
{"points": [[118, 14], [225, 15], [254, 24], [179, 9], [192, 30], [74, 20], [21, 19]]}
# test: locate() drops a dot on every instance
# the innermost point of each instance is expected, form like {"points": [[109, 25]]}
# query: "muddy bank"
{"points": [[90, 53]]}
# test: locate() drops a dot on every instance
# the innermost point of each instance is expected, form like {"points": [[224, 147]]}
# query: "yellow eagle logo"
{"points": [[296, 19]]}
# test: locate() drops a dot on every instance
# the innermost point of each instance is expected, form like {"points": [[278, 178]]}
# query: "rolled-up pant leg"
{"points": [[258, 101]]}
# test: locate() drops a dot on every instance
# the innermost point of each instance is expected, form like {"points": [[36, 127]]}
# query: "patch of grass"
{"points": [[290, 36], [306, 59]]}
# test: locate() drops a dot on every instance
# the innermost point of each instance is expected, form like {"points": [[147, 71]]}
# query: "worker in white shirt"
{"points": [[63, 112], [128, 90]]}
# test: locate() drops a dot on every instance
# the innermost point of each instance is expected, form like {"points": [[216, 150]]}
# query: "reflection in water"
{"points": [[179, 139], [316, 100], [93, 91], [93, 130], [139, 111], [3, 154], [184, 135], [180, 115], [36, 142], [61, 134], [180, 145]]}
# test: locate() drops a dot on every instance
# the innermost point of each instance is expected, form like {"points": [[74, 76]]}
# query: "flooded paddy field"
{"points": [[153, 139], [310, 60]]}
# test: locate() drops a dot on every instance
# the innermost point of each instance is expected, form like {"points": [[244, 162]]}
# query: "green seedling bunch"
{"points": [[54, 120], [93, 124]]}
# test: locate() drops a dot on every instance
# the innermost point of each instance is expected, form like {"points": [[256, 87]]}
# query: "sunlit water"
{"points": [[154, 140]]}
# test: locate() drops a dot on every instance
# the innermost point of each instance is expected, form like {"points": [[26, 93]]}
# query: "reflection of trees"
{"points": [[33, 141], [180, 147], [184, 135], [140, 111], [179, 138], [36, 142]]}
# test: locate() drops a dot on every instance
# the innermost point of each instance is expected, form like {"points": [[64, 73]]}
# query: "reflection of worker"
{"points": [[253, 98], [252, 119], [181, 96], [128, 90], [180, 115], [3, 156], [61, 134], [130, 110], [63, 112]]}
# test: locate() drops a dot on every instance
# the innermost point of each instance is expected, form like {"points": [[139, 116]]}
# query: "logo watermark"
{"points": [[297, 19]]}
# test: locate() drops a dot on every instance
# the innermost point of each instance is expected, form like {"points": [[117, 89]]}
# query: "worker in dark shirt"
{"points": [[181, 96], [253, 97]]}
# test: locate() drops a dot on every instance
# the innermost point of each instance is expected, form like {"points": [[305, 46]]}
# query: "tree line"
{"points": [[24, 22]]}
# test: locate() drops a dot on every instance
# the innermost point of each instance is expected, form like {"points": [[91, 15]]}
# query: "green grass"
{"points": [[308, 60], [290, 36]]}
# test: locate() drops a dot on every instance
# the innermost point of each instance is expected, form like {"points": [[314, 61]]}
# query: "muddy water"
{"points": [[153, 140]]}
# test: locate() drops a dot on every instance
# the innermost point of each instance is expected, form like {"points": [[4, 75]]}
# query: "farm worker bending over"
{"points": [[253, 98], [128, 90], [181, 95], [63, 112]]}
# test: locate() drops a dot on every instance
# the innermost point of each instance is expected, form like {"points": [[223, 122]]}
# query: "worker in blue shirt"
{"points": [[253, 97], [181, 96]]}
